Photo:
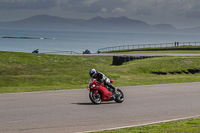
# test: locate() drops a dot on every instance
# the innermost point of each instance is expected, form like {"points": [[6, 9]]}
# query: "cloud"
{"points": [[88, 3], [118, 10], [27, 4], [184, 8], [103, 10], [190, 9], [84, 6]]}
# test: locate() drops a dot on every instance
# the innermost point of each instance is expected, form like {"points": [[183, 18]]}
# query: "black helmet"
{"points": [[92, 72]]}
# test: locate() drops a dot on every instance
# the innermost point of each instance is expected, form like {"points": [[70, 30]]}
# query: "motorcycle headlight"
{"points": [[92, 86]]}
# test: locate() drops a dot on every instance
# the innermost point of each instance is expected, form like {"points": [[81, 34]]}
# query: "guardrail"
{"points": [[139, 46]]}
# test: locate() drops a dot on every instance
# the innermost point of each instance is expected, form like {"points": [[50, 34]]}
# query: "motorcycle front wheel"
{"points": [[95, 99], [120, 97]]}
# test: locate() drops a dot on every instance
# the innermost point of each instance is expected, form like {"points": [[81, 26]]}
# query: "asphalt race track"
{"points": [[71, 111]]}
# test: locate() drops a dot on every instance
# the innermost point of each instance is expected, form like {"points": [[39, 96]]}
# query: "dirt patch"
{"points": [[186, 61]]}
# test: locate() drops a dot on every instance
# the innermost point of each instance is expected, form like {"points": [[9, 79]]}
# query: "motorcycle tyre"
{"points": [[120, 98], [93, 98]]}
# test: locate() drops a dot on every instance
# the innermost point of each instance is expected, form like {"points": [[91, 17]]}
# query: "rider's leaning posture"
{"points": [[101, 78]]}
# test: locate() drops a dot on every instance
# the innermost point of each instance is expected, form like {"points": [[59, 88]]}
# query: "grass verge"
{"points": [[24, 72], [181, 126]]}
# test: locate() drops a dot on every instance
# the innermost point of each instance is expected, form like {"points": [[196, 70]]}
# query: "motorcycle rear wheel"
{"points": [[120, 97], [95, 99]]}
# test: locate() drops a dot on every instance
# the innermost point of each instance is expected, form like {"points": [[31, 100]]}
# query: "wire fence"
{"points": [[133, 47], [139, 46]]}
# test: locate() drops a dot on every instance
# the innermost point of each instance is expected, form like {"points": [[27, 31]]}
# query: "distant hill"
{"points": [[97, 23]]}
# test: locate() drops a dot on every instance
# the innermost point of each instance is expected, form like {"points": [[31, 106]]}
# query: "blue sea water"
{"points": [[81, 40]]}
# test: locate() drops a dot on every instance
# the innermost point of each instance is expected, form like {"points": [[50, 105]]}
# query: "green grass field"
{"points": [[24, 72], [181, 126]]}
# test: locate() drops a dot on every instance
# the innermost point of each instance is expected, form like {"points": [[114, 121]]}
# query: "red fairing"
{"points": [[105, 93], [93, 82], [100, 87]]}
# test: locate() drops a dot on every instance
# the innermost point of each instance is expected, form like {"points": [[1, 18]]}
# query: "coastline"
{"points": [[9, 37]]}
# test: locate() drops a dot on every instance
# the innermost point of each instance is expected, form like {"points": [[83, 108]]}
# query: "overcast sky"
{"points": [[179, 13]]}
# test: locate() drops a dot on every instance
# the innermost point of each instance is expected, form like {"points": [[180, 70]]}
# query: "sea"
{"points": [[57, 41]]}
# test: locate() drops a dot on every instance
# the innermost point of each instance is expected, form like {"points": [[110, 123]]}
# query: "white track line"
{"points": [[184, 118]]}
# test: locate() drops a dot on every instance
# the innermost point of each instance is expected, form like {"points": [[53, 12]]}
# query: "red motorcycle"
{"points": [[100, 92]]}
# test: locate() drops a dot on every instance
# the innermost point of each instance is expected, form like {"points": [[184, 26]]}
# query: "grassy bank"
{"points": [[182, 126], [23, 72]]}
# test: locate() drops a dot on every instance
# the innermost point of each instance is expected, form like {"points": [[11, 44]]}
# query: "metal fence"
{"points": [[139, 46]]}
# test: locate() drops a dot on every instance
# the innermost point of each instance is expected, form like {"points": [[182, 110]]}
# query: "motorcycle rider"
{"points": [[101, 78]]}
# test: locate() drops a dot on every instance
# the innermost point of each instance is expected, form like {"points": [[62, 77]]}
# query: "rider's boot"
{"points": [[115, 93]]}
